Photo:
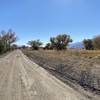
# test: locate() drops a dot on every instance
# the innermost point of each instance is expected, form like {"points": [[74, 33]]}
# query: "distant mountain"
{"points": [[77, 45]]}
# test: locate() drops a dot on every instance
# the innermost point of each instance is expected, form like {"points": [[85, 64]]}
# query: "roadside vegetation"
{"points": [[92, 44], [7, 40], [75, 66], [60, 42], [35, 44]]}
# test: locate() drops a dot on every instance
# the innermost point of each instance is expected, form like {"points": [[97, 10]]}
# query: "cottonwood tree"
{"points": [[35, 44], [8, 38], [61, 41]]}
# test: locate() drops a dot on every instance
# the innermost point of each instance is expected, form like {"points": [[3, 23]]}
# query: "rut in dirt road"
{"points": [[22, 79]]}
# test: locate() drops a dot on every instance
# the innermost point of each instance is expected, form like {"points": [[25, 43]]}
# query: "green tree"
{"points": [[88, 44], [11, 37], [4, 39], [1, 46], [60, 42], [35, 44], [96, 42], [8, 38]]}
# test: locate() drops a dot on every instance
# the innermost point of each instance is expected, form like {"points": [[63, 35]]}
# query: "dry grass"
{"points": [[90, 53], [91, 56]]}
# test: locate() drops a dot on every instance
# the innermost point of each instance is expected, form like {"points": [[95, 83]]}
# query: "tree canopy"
{"points": [[7, 39], [96, 42], [88, 44], [61, 41], [35, 44]]}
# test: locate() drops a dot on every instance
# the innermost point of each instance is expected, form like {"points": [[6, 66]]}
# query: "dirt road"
{"points": [[22, 79]]}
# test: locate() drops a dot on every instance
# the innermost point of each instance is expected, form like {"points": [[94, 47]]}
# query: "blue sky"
{"points": [[42, 19]]}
